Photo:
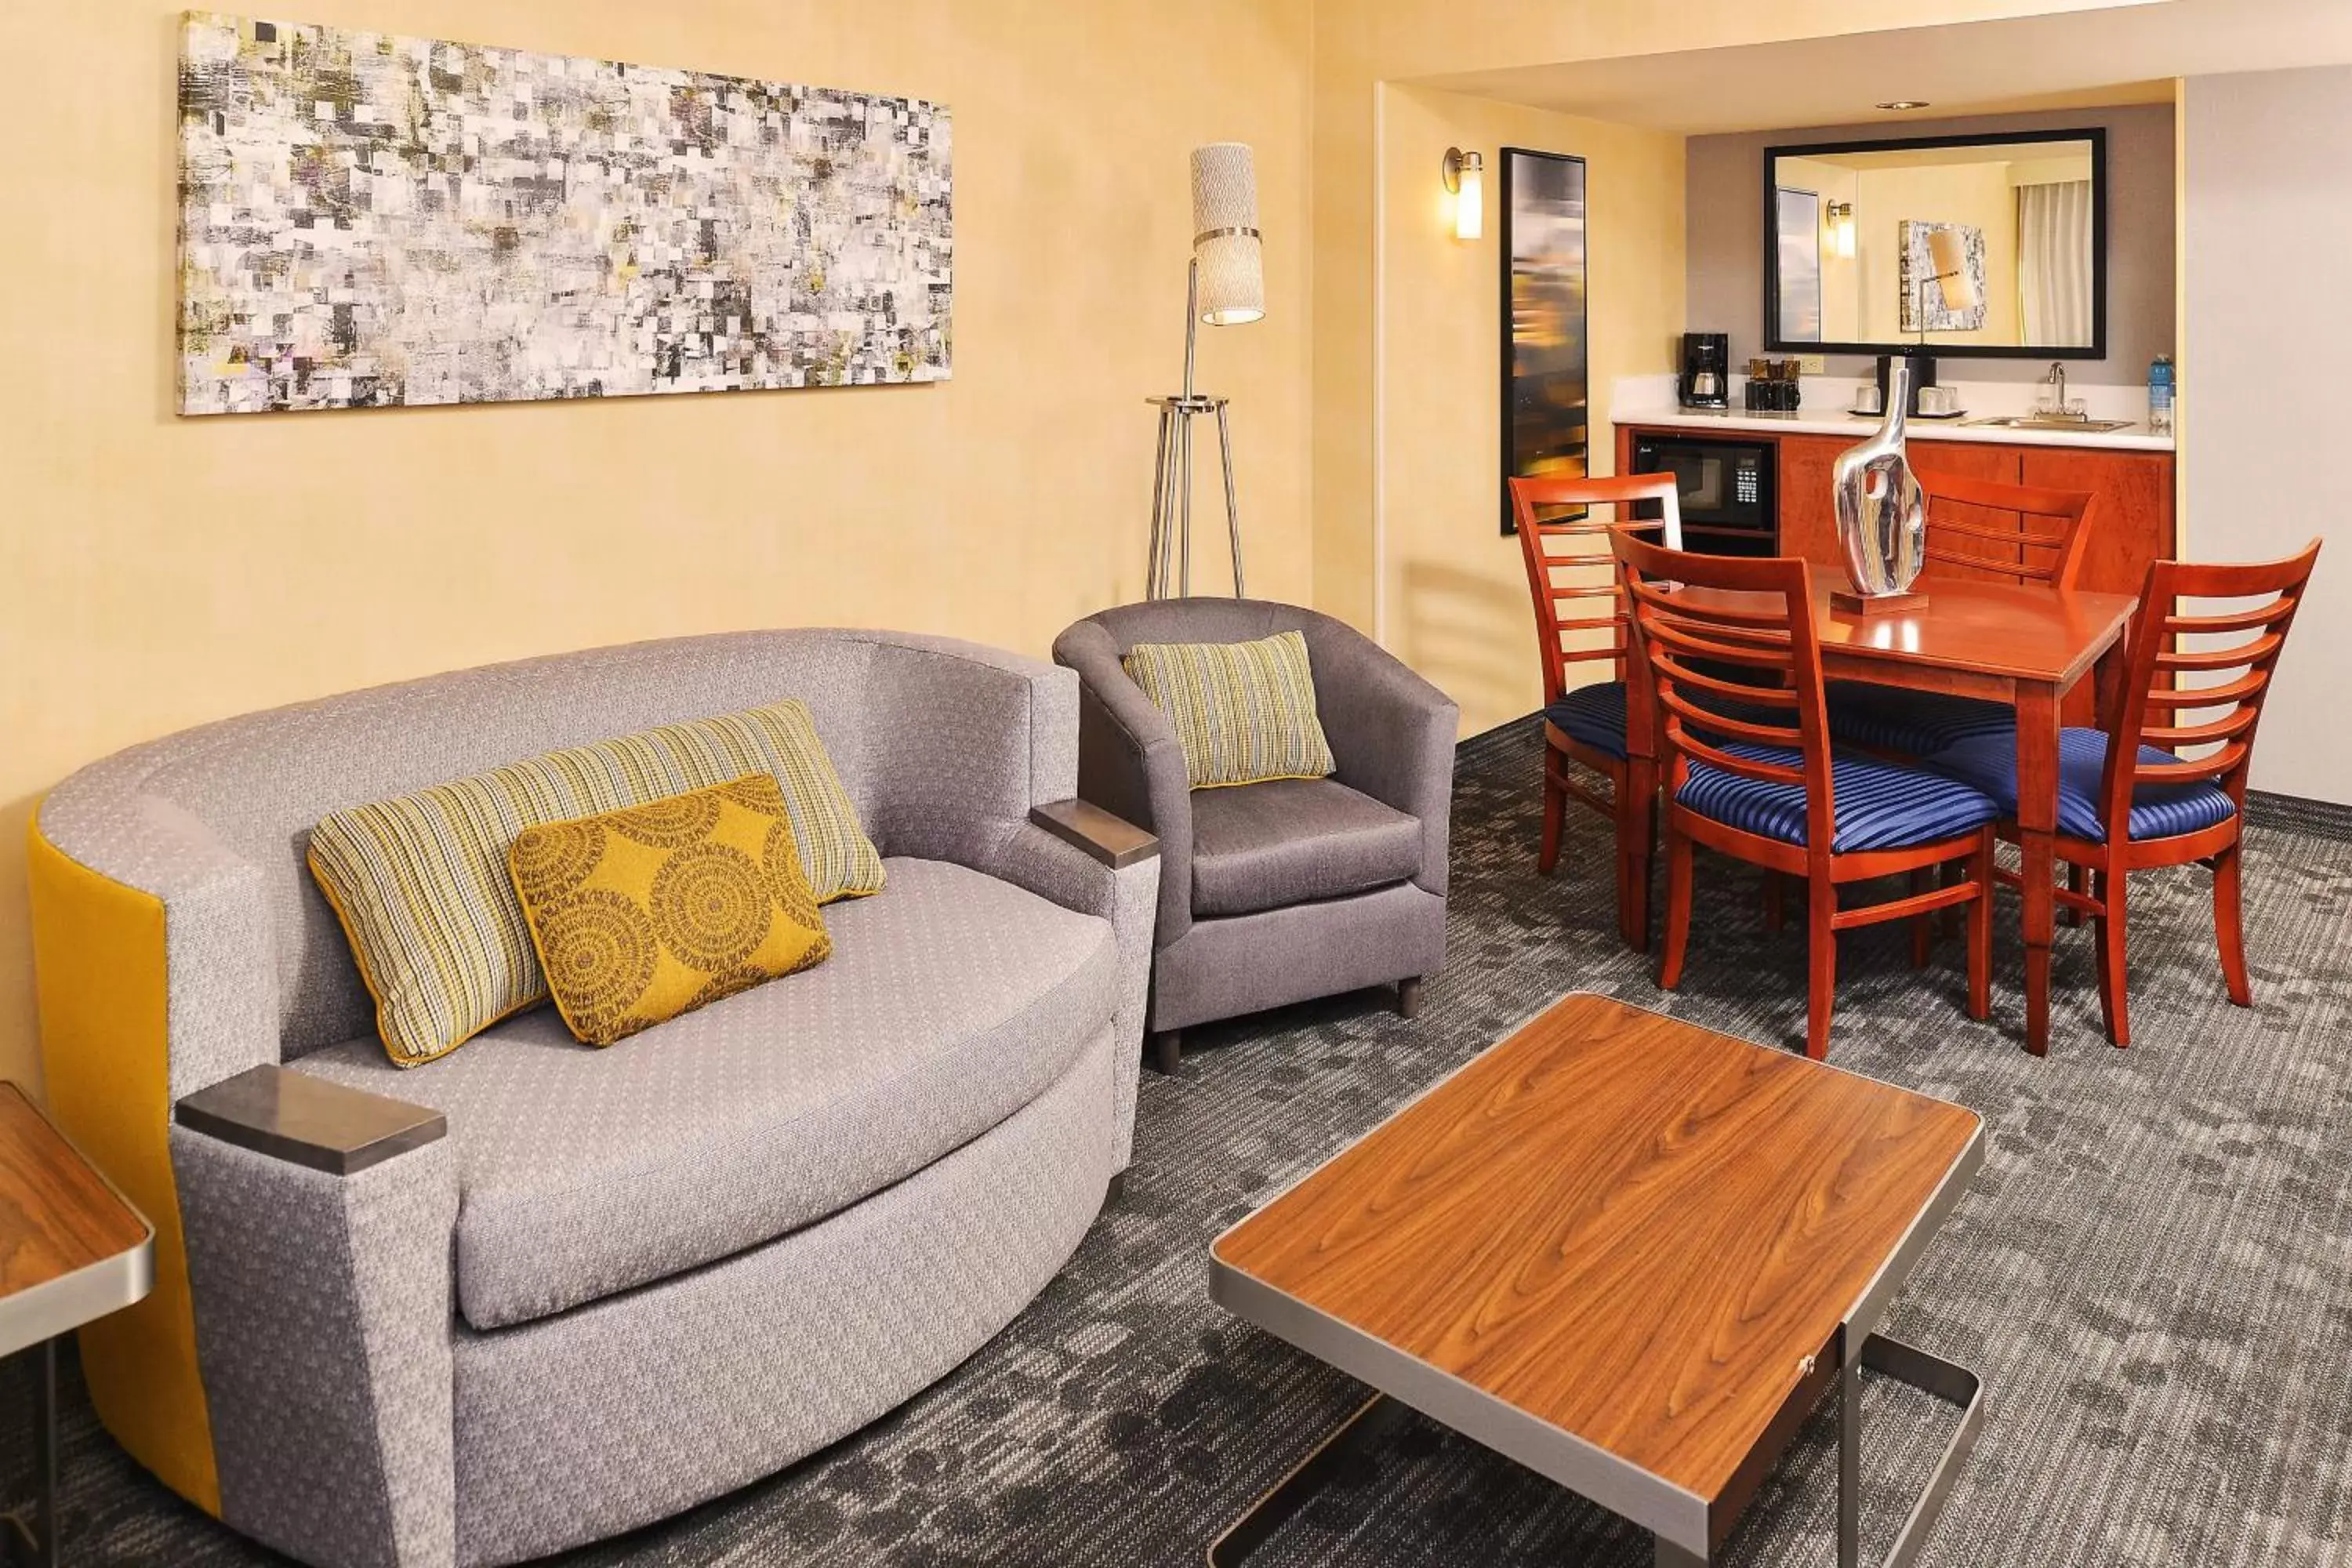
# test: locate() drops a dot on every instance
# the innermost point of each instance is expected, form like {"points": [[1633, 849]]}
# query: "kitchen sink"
{"points": [[2050, 422]]}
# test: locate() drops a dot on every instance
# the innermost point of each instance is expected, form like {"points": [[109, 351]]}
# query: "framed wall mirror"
{"points": [[1990, 245]]}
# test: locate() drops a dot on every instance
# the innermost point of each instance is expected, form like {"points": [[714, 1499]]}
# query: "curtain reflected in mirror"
{"points": [[2054, 261]]}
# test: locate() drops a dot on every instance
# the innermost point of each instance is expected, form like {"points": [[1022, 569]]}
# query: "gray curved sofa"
{"points": [[533, 1294]]}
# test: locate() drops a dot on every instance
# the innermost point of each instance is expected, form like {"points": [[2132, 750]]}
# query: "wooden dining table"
{"points": [[2026, 645]]}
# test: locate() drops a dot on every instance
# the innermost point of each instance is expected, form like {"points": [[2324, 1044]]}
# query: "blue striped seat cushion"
{"points": [[1914, 723], [1989, 763], [1596, 715], [1879, 804]]}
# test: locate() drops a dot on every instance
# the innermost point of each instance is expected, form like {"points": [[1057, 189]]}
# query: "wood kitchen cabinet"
{"points": [[2130, 521]]}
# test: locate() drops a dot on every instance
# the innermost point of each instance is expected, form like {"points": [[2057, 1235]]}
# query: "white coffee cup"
{"points": [[1938, 400]]}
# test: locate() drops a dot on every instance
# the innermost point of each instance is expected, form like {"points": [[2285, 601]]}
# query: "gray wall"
{"points": [[2267, 221], [1726, 253]]}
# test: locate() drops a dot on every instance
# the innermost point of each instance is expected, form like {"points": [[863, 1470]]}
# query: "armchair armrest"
{"points": [[1113, 840], [310, 1121], [1391, 732], [1130, 764]]}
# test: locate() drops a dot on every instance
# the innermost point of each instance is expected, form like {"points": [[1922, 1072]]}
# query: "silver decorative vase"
{"points": [[1881, 513]]}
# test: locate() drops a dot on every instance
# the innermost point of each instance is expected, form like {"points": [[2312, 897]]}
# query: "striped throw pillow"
{"points": [[1244, 711], [420, 881]]}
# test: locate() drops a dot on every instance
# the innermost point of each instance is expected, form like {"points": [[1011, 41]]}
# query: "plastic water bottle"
{"points": [[2160, 396]]}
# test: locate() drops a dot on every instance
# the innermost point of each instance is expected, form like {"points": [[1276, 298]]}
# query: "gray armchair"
{"points": [[1272, 893]]}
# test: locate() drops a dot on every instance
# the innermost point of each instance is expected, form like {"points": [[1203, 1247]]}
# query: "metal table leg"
{"points": [[1374, 1420], [1947, 1381], [1907, 1365], [24, 1543]]}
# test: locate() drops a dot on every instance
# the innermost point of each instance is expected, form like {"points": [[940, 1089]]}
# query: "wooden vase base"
{"points": [[1847, 602]]}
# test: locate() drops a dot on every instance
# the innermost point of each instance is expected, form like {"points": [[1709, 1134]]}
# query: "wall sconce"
{"points": [[1465, 181], [1841, 216]]}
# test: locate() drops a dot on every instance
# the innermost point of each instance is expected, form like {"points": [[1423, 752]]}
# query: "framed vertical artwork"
{"points": [[1796, 235], [1546, 397]]}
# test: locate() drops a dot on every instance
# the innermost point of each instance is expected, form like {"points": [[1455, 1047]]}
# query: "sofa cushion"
{"points": [[951, 1002], [1286, 841], [420, 882], [1243, 712], [644, 913]]}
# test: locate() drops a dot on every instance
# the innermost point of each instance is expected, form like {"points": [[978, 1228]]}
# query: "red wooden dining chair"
{"points": [[1580, 631], [2196, 682], [1765, 787], [2029, 536]]}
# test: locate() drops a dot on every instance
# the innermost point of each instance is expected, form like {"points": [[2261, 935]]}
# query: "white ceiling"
{"points": [[2075, 61]]}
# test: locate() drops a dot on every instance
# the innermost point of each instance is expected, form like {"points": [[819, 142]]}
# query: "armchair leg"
{"points": [[1409, 996], [1167, 1049]]}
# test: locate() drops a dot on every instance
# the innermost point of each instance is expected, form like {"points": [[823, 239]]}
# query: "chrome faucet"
{"points": [[2056, 381]]}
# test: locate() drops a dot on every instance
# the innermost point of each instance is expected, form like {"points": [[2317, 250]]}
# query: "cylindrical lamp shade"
{"points": [[1225, 235], [1948, 257]]}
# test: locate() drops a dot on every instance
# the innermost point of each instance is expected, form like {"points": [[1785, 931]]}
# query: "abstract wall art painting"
{"points": [[1547, 401], [369, 220]]}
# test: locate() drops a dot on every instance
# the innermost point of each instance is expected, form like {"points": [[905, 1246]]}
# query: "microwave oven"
{"points": [[1729, 490]]}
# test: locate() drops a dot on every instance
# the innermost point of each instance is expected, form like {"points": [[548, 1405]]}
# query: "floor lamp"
{"points": [[1224, 286]]}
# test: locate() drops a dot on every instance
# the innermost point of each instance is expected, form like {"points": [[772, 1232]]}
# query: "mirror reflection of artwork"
{"points": [[2031, 205], [1922, 302], [1546, 398], [1799, 224]]}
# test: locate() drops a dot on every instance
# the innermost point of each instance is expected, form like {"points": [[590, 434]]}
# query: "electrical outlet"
{"points": [[1814, 365]]}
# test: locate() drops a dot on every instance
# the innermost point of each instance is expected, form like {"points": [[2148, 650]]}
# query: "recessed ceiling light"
{"points": [[1904, 103]]}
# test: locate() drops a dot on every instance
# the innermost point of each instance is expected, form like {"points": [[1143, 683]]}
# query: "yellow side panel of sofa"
{"points": [[100, 962]]}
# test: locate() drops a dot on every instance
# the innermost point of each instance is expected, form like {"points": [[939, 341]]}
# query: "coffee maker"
{"points": [[1706, 380]]}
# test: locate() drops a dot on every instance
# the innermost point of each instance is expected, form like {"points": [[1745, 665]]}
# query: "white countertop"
{"points": [[1650, 400], [1834, 422]]}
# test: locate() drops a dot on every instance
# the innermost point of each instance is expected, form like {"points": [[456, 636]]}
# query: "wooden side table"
{"points": [[72, 1249]]}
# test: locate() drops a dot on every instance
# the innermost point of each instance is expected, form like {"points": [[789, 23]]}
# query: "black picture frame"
{"points": [[1547, 392], [2096, 349]]}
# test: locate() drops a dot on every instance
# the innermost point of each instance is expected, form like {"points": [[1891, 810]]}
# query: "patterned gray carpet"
{"points": [[2153, 1272]]}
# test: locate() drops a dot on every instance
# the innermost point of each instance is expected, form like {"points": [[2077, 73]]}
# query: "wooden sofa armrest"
{"points": [[308, 1120], [1113, 840]]}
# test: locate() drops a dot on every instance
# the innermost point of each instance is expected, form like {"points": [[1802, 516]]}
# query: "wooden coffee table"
{"points": [[1627, 1252]]}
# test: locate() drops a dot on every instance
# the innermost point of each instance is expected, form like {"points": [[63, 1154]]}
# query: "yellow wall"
{"points": [[1456, 605], [156, 573]]}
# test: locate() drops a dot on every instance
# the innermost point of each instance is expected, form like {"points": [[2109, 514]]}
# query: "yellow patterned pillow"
{"points": [[1244, 711], [420, 881], [656, 910]]}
